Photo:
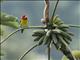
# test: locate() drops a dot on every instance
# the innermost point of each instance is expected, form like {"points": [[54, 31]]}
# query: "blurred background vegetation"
{"points": [[8, 20], [69, 12]]}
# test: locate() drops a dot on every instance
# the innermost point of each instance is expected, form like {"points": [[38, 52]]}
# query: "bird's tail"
{"points": [[22, 30]]}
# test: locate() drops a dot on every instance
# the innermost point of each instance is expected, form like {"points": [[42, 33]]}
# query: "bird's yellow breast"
{"points": [[24, 22]]}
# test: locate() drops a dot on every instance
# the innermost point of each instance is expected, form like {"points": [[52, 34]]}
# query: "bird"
{"points": [[23, 22]]}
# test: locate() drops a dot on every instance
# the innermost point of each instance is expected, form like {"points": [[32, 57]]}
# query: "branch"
{"points": [[9, 36], [27, 52], [30, 27], [54, 10], [34, 27]]}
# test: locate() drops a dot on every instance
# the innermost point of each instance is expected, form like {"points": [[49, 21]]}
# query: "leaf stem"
{"points": [[49, 52], [9, 36], [54, 10], [30, 27], [27, 52], [76, 26], [33, 27]]}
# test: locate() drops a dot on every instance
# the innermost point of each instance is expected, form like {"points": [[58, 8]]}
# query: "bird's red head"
{"points": [[24, 17]]}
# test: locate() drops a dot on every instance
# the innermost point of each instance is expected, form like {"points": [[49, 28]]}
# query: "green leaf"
{"points": [[66, 40], [56, 41], [57, 21], [75, 53], [46, 40], [37, 38], [66, 35], [38, 33], [11, 24], [8, 20], [41, 40], [61, 39]]}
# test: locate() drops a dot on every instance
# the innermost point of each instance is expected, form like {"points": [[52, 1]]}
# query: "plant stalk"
{"points": [[27, 52], [54, 11], [49, 52], [9, 36], [30, 27], [76, 26]]}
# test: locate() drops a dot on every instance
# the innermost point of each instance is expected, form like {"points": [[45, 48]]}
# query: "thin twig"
{"points": [[34, 27], [27, 52], [54, 10], [30, 27], [49, 52]]}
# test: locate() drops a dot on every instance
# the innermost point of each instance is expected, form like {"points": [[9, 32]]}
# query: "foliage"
{"points": [[76, 53], [55, 32], [58, 30], [8, 20]]}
